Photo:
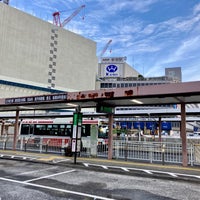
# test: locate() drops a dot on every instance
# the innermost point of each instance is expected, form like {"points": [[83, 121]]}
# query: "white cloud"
{"points": [[196, 8]]}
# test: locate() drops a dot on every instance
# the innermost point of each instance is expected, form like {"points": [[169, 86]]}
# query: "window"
{"points": [[55, 129], [40, 129], [85, 130], [68, 130], [102, 85], [25, 129]]}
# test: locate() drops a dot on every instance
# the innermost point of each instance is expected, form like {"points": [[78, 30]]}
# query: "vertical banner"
{"points": [[76, 136]]}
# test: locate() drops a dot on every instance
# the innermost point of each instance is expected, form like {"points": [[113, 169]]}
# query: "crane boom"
{"points": [[72, 15], [56, 17], [105, 48]]}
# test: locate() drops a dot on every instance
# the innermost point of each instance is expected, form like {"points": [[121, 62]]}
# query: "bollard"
{"points": [[126, 151], [25, 145], [47, 145]]}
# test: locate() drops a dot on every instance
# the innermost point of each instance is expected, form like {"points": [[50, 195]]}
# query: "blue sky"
{"points": [[152, 34]]}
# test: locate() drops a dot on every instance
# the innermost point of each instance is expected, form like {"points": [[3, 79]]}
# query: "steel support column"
{"points": [[2, 127], [110, 136], [159, 129], [183, 136], [16, 129]]}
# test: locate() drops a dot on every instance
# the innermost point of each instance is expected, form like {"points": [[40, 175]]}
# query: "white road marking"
{"points": [[125, 169], [48, 176], [144, 170], [188, 175], [58, 189], [87, 165], [147, 171], [105, 167], [172, 174], [54, 161], [35, 171], [16, 156]]}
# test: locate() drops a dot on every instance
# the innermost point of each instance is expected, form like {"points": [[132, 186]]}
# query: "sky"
{"points": [[152, 34]]}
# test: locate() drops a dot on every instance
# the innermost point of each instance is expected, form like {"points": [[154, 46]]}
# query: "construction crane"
{"points": [[105, 48], [56, 17]]}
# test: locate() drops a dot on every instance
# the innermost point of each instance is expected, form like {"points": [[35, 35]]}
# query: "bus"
{"points": [[56, 132]]}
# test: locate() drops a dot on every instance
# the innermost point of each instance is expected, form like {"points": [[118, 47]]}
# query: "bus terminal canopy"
{"points": [[173, 93]]}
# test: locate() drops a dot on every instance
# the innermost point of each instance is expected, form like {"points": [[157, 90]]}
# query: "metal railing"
{"points": [[153, 152]]}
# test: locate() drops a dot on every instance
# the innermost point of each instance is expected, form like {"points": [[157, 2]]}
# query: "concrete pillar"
{"points": [[110, 136], [16, 129], [184, 136]]}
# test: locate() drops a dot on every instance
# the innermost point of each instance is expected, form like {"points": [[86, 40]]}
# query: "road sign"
{"points": [[104, 109]]}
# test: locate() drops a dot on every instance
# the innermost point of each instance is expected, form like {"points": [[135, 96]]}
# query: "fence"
{"points": [[153, 152], [162, 152]]}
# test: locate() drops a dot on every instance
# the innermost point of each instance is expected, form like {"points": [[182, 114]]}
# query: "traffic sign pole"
{"points": [[77, 125]]}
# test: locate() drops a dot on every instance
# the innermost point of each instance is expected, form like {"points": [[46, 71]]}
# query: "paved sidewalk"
{"points": [[114, 166]]}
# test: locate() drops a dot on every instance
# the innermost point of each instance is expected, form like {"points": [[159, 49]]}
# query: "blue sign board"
{"points": [[151, 125], [166, 126], [111, 68]]}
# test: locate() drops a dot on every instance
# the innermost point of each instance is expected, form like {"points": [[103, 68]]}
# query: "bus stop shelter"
{"points": [[105, 100]]}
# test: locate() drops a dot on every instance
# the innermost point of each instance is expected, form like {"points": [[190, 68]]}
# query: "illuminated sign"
{"points": [[35, 99]]}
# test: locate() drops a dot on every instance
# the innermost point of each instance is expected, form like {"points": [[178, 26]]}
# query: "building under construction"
{"points": [[37, 56]]}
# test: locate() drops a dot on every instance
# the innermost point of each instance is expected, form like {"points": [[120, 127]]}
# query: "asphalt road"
{"points": [[28, 180]]}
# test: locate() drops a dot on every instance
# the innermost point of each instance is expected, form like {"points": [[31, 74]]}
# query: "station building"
{"points": [[114, 72]]}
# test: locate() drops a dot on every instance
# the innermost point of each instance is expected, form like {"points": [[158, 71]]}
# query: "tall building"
{"points": [[39, 57]]}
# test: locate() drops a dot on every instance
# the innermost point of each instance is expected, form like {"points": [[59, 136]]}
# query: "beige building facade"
{"points": [[38, 57]]}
